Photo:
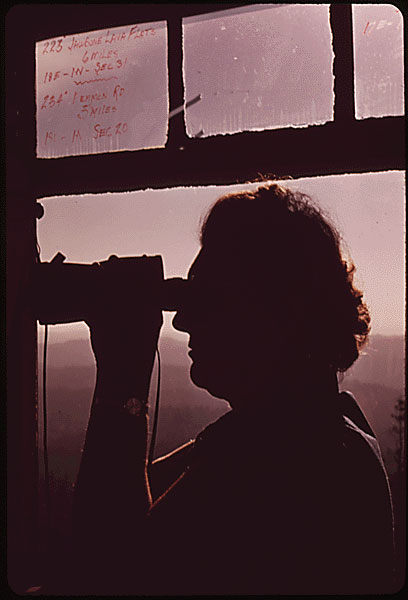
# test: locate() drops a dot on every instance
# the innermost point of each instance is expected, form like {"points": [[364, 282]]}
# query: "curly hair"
{"points": [[289, 252]]}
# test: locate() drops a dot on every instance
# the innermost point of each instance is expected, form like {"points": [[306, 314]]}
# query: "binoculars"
{"points": [[68, 292]]}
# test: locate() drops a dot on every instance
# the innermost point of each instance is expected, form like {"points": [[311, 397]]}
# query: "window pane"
{"points": [[369, 211], [102, 91], [378, 60], [258, 67]]}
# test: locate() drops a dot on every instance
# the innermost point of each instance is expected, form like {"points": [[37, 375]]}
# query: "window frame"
{"points": [[346, 145], [337, 147]]}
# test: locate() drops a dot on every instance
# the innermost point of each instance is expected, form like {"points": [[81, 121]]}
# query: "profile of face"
{"points": [[270, 300], [227, 326]]}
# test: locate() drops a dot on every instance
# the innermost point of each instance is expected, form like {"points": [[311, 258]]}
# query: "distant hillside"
{"points": [[184, 411], [376, 381], [68, 353], [382, 362], [79, 352]]}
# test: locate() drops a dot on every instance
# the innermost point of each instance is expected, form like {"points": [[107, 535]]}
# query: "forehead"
{"points": [[213, 265]]}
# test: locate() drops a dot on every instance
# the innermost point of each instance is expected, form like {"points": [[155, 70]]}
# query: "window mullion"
{"points": [[342, 30], [177, 133]]}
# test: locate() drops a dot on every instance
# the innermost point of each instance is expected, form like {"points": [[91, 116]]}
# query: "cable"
{"points": [[37, 249], [45, 442], [45, 419], [156, 410]]}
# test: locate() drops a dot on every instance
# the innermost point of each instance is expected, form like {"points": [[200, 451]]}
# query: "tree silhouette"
{"points": [[397, 481], [399, 423]]}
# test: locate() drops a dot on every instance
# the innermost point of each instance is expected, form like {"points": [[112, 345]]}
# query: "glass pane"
{"points": [[378, 60], [102, 91], [258, 67], [368, 209]]}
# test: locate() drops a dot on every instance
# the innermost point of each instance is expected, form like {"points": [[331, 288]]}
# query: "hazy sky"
{"points": [[368, 209]]}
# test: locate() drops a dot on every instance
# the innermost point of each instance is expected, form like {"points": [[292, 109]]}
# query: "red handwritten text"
{"points": [[51, 101], [109, 131], [50, 76], [118, 64], [76, 135], [95, 80], [99, 55], [53, 46], [94, 111], [88, 98], [118, 91], [88, 42], [50, 136], [135, 32]]}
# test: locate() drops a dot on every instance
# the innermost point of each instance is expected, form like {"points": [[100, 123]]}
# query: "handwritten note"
{"points": [[102, 91], [378, 49]]}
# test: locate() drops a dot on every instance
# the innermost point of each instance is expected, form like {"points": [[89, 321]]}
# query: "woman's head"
{"points": [[270, 285]]}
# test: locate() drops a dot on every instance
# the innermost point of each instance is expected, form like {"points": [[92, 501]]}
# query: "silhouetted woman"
{"points": [[287, 492]]}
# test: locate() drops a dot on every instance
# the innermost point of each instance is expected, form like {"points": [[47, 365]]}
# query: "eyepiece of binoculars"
{"points": [[173, 292]]}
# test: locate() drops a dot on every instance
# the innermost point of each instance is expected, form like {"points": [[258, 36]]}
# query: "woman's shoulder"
{"points": [[357, 431]]}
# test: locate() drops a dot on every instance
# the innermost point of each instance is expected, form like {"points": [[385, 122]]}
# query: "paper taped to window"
{"points": [[102, 91]]}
